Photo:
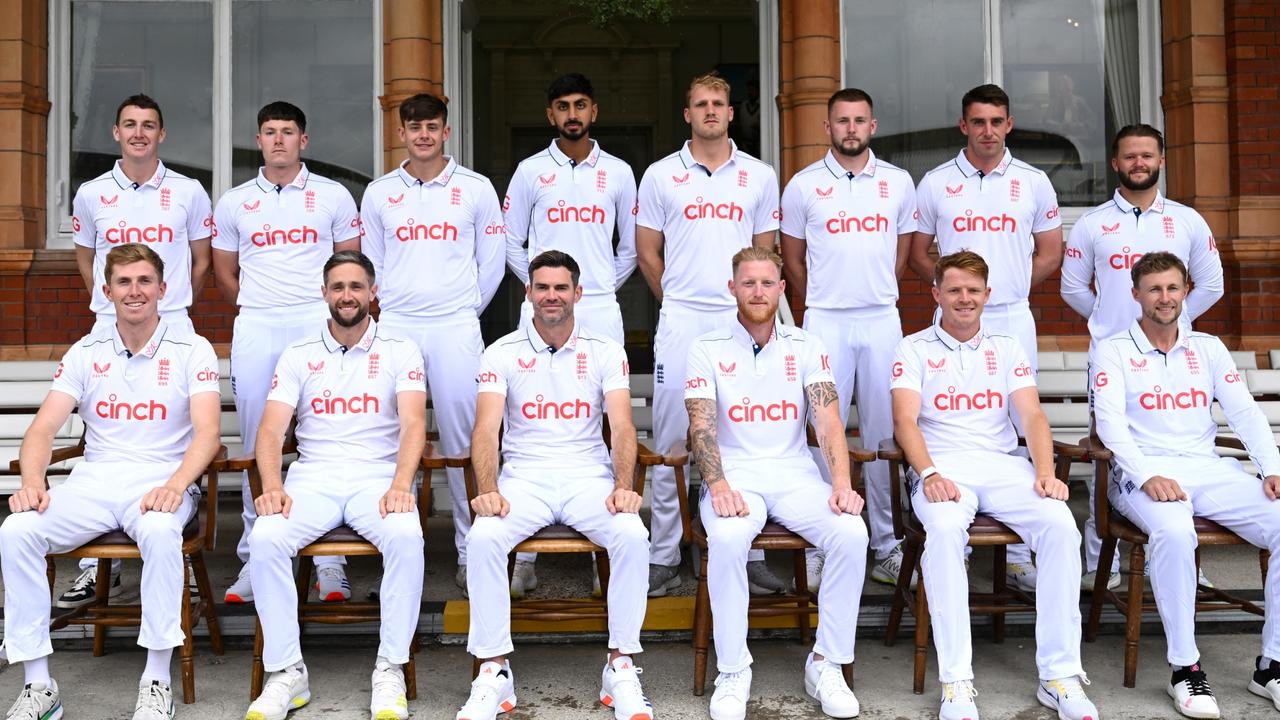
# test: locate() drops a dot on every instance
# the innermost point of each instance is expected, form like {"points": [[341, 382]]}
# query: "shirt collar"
{"points": [[149, 350], [366, 341], [686, 156], [299, 181], [540, 345], [1144, 345], [441, 179], [833, 166], [740, 334], [561, 159], [1127, 207], [117, 173], [954, 344], [968, 170]]}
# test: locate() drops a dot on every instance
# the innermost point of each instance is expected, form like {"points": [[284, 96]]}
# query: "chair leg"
{"points": [[801, 571], [999, 589], [847, 669], [52, 572], [1100, 580], [201, 572], [102, 599], [256, 677], [1133, 615], [186, 652], [701, 630], [901, 591], [1264, 559], [602, 569], [411, 670], [922, 638], [306, 565]]}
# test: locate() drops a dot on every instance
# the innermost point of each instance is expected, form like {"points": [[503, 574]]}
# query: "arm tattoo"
{"points": [[820, 395], [702, 439]]}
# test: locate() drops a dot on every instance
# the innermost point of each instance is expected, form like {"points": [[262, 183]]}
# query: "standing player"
{"points": [[274, 234], [361, 403], [434, 233], [747, 390], [851, 215], [955, 387], [697, 208], [549, 383], [1154, 387], [1004, 210], [1105, 244], [148, 393]]}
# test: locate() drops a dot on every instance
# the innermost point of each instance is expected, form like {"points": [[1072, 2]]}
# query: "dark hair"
{"points": [[571, 84], [424, 106], [343, 257], [131, 253], [556, 259], [966, 260], [850, 95], [140, 101], [1137, 130], [989, 94], [1157, 262], [281, 110]]}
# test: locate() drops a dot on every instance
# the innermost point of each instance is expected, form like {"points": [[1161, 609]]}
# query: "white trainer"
{"points": [[1088, 579], [814, 560], [887, 570], [1021, 576], [460, 579], [155, 701], [332, 584], [1265, 682], [958, 701], [37, 701], [1066, 695], [824, 681], [1192, 696], [286, 690], [523, 579], [620, 690], [241, 591], [729, 701], [84, 590], [492, 692], [388, 701]]}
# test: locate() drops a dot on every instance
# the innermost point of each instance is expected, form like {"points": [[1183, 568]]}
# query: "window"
{"points": [[211, 64], [1075, 70]]}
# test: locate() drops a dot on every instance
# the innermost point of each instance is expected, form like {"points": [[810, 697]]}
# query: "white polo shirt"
{"points": [[166, 213], [705, 218], [964, 387], [761, 407], [437, 246], [1151, 404], [554, 203], [554, 399], [993, 215], [1106, 242], [850, 224], [345, 397], [284, 234], [137, 408]]}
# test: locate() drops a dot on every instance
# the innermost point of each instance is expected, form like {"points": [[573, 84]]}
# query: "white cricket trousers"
{"points": [[1002, 486], [861, 343], [545, 496], [792, 492], [326, 495], [678, 327], [1217, 489], [600, 313], [451, 348], [258, 337], [97, 498]]}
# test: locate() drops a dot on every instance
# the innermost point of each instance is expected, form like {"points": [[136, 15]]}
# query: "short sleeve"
{"points": [[652, 207], [202, 369], [794, 217], [768, 210], [907, 221], [68, 377], [372, 242], [199, 215], [1019, 374], [226, 235], [492, 377], [83, 230], [817, 363], [1047, 215], [905, 374], [615, 370], [286, 385], [700, 379], [410, 374], [346, 219], [926, 213]]}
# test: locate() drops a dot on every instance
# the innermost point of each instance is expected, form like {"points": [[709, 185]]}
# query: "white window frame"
{"points": [[58, 140]]}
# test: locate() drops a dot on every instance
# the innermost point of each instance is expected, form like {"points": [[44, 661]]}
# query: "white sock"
{"points": [[1264, 662], [158, 665], [37, 670]]}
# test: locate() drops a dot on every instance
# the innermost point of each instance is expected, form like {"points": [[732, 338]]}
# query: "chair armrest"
{"points": [[1094, 450], [859, 454], [242, 463], [889, 450], [647, 457], [1074, 453]]}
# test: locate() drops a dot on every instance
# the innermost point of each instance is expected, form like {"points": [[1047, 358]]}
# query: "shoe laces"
{"points": [[1018, 569], [484, 690], [152, 697], [387, 680], [735, 683], [26, 707], [893, 562], [627, 680], [331, 573], [87, 578], [1197, 682], [831, 680], [279, 687], [1066, 688], [959, 691]]}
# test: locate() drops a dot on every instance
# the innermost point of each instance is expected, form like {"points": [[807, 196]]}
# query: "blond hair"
{"points": [[131, 253], [710, 81], [966, 260], [755, 254]]}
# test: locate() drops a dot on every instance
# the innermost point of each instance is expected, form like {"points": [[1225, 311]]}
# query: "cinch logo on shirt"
{"points": [[1076, 253], [326, 404], [1022, 371], [152, 234], [774, 412], [870, 223], [694, 383], [541, 409], [207, 375], [969, 222], [951, 401], [268, 236], [114, 409], [1160, 400], [484, 377], [494, 229], [699, 210], [445, 231], [1123, 260], [416, 375], [1232, 377], [577, 214]]}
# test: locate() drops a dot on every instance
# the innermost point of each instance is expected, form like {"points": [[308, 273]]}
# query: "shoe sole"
{"points": [[1261, 692], [390, 715], [237, 599], [607, 701], [521, 596], [298, 701], [722, 716], [1200, 716], [1047, 700], [505, 706], [830, 712], [72, 605], [884, 578], [666, 587], [335, 597]]}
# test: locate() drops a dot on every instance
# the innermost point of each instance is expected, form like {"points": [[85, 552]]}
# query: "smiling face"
{"points": [[757, 286], [1137, 162], [1160, 294], [708, 113], [424, 139], [961, 295], [572, 115], [281, 143], [348, 293], [139, 133], [553, 294], [135, 289], [986, 126]]}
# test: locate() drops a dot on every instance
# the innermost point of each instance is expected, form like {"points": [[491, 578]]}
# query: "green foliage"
{"points": [[604, 12]]}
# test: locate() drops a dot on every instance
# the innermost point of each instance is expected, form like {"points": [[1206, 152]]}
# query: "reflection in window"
{"points": [[119, 49]]}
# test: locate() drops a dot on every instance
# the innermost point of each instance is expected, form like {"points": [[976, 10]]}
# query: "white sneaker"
{"points": [[85, 589], [241, 591], [1066, 695], [37, 701], [1021, 576], [958, 701], [762, 581], [285, 690], [1192, 696], [596, 592], [523, 579], [1088, 579], [492, 692], [814, 560], [332, 584], [663, 579], [620, 689], [1201, 579], [1265, 683], [155, 701], [824, 681], [388, 701], [729, 701], [460, 579], [887, 570]]}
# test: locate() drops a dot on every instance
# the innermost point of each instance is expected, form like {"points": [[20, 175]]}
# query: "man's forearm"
{"points": [[33, 457], [484, 463], [652, 269], [911, 440], [413, 440], [1042, 266], [624, 458], [196, 459], [268, 457], [703, 440], [823, 403]]}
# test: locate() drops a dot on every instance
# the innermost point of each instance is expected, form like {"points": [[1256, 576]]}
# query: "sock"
{"points": [[1265, 662], [37, 670], [158, 665]]}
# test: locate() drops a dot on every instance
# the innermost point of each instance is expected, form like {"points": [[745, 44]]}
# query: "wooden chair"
{"points": [[197, 536], [341, 541], [1114, 527], [800, 604], [984, 530]]}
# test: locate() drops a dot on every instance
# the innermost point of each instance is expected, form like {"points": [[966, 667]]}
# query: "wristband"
{"points": [[928, 472]]}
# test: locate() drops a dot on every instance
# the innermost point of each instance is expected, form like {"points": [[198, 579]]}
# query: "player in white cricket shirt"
{"points": [[139, 201], [850, 216], [1005, 210], [752, 387], [434, 231], [697, 208], [147, 389], [1154, 386], [955, 387], [550, 383], [273, 235], [1103, 247], [359, 395]]}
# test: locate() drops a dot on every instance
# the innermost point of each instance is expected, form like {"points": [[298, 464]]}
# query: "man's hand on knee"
{"points": [[396, 501], [29, 498], [623, 501], [726, 501], [1163, 489], [491, 504], [845, 500], [1050, 486], [273, 502], [940, 489], [1271, 486], [162, 498]]}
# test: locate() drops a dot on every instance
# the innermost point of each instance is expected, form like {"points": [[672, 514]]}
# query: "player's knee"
{"points": [[1178, 537], [947, 529], [19, 532], [487, 537], [155, 529], [270, 537], [629, 531], [730, 536], [848, 536], [402, 534], [1060, 526]]}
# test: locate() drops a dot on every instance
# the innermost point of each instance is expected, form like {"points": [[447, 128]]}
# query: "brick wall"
{"points": [[1253, 69]]}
